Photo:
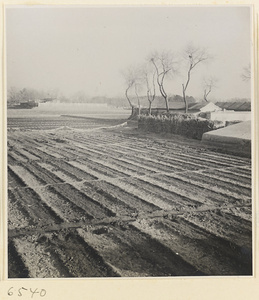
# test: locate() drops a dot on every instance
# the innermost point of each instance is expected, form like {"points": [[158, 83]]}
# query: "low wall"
{"points": [[181, 124]]}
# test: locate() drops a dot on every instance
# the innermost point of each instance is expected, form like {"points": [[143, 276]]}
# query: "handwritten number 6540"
{"points": [[22, 291]]}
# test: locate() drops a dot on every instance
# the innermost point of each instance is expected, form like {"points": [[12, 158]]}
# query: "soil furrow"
{"points": [[245, 170], [36, 258], [239, 255], [237, 231], [115, 160], [16, 266], [44, 156], [230, 175], [141, 193], [42, 174], [89, 205], [173, 148], [15, 158], [59, 172], [212, 160], [11, 160], [18, 215], [244, 212], [194, 193], [182, 238], [180, 157], [176, 200], [39, 212], [221, 182], [63, 207], [191, 187], [50, 151], [28, 178], [107, 199], [28, 154], [78, 257], [217, 187], [103, 168], [139, 254], [14, 181], [173, 162], [128, 198]]}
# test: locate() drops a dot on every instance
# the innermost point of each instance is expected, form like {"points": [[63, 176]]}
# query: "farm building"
{"points": [[194, 108], [235, 106], [232, 111], [203, 107], [222, 111]]}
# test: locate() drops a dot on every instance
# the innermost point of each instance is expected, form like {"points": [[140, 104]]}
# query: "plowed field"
{"points": [[90, 200]]}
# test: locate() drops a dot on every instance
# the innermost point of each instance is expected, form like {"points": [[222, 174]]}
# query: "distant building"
{"points": [[203, 107], [232, 112], [235, 106], [24, 105]]}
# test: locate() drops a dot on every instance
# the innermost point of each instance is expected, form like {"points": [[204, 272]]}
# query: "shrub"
{"points": [[182, 124]]}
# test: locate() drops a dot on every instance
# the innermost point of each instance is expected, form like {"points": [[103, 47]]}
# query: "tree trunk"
{"points": [[164, 95], [206, 94], [185, 101], [126, 94], [149, 109], [166, 103]]}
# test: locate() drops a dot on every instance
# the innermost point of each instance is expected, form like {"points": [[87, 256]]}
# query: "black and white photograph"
{"points": [[129, 141]]}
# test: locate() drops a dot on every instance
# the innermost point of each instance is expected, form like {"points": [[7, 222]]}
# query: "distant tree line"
{"points": [[15, 95]]}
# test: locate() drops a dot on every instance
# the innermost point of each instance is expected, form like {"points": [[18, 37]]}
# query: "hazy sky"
{"points": [[86, 48]]}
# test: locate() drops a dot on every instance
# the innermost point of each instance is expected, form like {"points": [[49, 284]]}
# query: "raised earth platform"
{"points": [[235, 138]]}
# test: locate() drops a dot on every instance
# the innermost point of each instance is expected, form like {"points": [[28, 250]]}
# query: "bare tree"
{"points": [[246, 75], [131, 76], [208, 85], [194, 56], [165, 66], [137, 88], [149, 77]]}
